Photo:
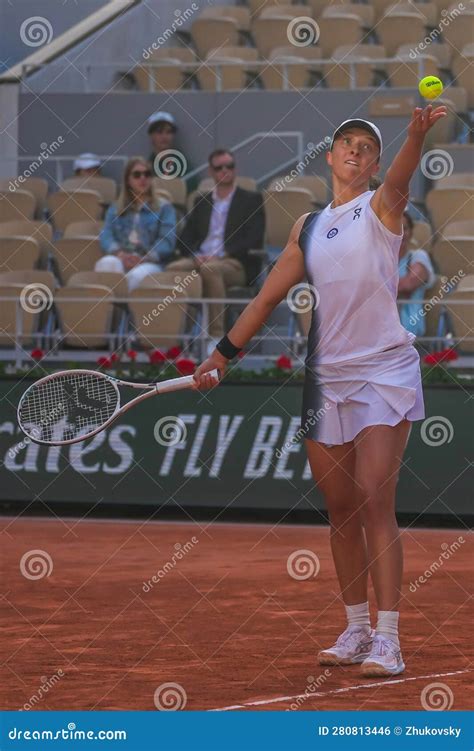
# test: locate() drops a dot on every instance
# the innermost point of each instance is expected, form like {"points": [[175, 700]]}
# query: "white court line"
{"points": [[336, 691]]}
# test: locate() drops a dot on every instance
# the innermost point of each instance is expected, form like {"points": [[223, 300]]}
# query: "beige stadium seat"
{"points": [[317, 186], [113, 280], [176, 189], [28, 276], [282, 209], [169, 76], [19, 253], [74, 254], [460, 229], [302, 65], [454, 254], [396, 29], [366, 13], [272, 32], [106, 187], [16, 205], [445, 129], [456, 180], [184, 55], [427, 11], [422, 236], [442, 52], [338, 30], [450, 204], [460, 31], [463, 70], [227, 69], [286, 10], [8, 313], [42, 232], [83, 229], [405, 72], [356, 61], [239, 13], [37, 186], [392, 106], [166, 327], [257, 6], [206, 31], [247, 183], [34, 290], [85, 322], [66, 207], [462, 316]]}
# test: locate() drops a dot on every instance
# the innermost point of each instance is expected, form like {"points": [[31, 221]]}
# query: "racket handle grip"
{"points": [[185, 382]]}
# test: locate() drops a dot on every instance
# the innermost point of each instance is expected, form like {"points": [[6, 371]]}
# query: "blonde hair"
{"points": [[126, 199]]}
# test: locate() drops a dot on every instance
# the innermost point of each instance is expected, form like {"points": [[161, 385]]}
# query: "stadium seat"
{"points": [[442, 52], [454, 254], [74, 254], [449, 204], [316, 185], [456, 180], [338, 30], [257, 6], [87, 321], [395, 29], [422, 236], [235, 73], [35, 185], [104, 186], [286, 10], [42, 232], [206, 31], [463, 71], [239, 13], [272, 32], [166, 77], [20, 204], [282, 209], [460, 31], [116, 282], [460, 229], [426, 10], [391, 106], [303, 65], [19, 254], [66, 207], [83, 229], [165, 328], [363, 11], [404, 72], [13, 284], [354, 61], [462, 316], [176, 189]]}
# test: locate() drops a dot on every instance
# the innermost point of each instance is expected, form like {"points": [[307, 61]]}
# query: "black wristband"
{"points": [[227, 349]]}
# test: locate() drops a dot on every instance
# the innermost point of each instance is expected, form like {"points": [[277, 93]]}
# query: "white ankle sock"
{"points": [[387, 624], [358, 615]]}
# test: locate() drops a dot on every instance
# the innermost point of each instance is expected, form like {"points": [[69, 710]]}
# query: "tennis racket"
{"points": [[72, 405]]}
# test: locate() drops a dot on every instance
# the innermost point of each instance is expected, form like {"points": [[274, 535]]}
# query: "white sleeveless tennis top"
{"points": [[351, 259]]}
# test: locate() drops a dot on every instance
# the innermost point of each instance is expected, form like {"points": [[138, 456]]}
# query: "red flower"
{"points": [[132, 354], [157, 356], [114, 357], [430, 360], [450, 354], [185, 366], [104, 362], [445, 355], [241, 354], [37, 354], [284, 363], [173, 353]]}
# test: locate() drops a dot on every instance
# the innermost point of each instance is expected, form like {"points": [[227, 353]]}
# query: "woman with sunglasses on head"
{"points": [[139, 233], [362, 366]]}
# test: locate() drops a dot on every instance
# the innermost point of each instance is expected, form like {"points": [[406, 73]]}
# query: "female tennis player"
{"points": [[361, 366]]}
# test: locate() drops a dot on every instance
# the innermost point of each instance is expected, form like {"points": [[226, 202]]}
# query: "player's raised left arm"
{"points": [[391, 197]]}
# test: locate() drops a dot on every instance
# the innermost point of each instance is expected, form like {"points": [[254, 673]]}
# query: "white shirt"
{"points": [[352, 260], [213, 245]]}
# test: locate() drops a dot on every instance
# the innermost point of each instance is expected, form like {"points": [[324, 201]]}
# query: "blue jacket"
{"points": [[156, 230]]}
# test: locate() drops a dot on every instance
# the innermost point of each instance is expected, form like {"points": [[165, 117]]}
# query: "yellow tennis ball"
{"points": [[430, 87]]}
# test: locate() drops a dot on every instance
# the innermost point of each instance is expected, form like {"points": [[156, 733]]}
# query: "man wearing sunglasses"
{"points": [[221, 228]]}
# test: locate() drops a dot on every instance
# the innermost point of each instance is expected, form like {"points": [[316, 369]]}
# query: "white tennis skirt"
{"points": [[381, 389]]}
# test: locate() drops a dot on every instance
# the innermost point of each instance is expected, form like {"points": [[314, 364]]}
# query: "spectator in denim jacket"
{"points": [[416, 275], [139, 234]]}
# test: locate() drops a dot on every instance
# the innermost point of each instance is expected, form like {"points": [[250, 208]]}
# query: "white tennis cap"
{"points": [[359, 123], [161, 117], [86, 161]]}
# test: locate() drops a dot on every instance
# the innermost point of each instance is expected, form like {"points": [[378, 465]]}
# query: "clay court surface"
{"points": [[226, 622]]}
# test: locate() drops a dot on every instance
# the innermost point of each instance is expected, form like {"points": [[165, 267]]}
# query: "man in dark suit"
{"points": [[221, 228]]}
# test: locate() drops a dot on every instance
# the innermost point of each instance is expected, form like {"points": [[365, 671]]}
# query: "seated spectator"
{"points": [[220, 230], [162, 129], [87, 165], [416, 276], [139, 233]]}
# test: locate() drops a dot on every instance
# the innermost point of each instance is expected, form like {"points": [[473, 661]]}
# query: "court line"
{"points": [[337, 690]]}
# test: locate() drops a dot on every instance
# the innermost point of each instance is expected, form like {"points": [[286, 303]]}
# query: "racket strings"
{"points": [[67, 405]]}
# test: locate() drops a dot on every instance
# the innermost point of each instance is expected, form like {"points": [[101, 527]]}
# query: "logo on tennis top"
{"points": [[332, 233], [357, 213]]}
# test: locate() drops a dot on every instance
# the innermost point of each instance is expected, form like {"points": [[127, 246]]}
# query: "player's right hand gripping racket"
{"points": [[72, 405]]}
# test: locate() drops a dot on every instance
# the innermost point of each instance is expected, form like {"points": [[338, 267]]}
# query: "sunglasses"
{"points": [[136, 174], [220, 167]]}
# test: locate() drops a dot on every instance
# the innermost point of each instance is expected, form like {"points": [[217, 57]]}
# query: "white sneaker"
{"points": [[385, 658], [353, 646]]}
